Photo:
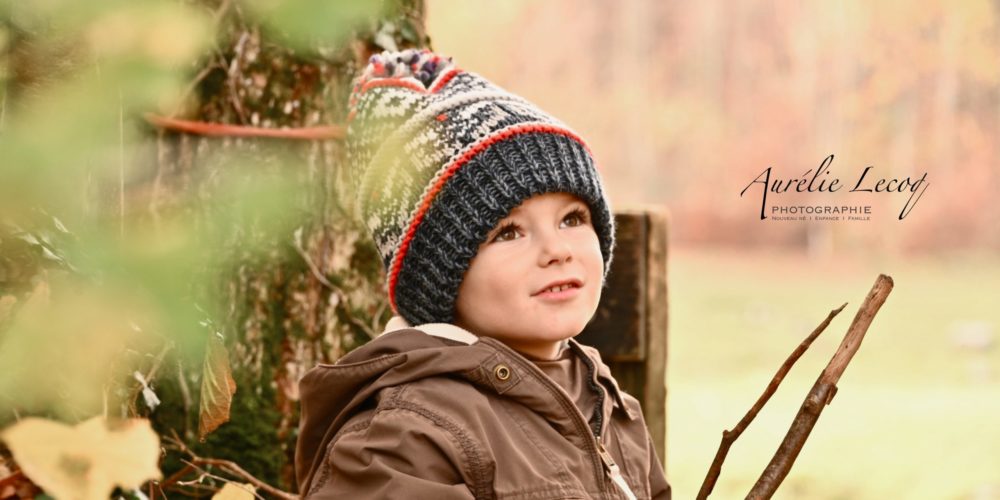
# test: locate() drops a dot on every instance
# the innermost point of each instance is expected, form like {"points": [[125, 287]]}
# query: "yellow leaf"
{"points": [[217, 388], [233, 491], [85, 462]]}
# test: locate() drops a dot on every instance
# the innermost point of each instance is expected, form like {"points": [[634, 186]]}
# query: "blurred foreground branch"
{"points": [[316, 133]]}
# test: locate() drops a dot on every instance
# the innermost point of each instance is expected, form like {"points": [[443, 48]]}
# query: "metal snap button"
{"points": [[502, 372]]}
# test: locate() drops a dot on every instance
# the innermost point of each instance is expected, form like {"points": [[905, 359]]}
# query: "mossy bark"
{"points": [[311, 297]]}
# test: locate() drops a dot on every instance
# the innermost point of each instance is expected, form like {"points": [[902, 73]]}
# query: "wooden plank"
{"points": [[630, 326], [657, 322], [618, 329]]}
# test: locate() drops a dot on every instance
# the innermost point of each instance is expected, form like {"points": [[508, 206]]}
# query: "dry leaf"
{"points": [[85, 462], [217, 388], [233, 491]]}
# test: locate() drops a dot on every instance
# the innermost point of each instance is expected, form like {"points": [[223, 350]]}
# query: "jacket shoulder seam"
{"points": [[478, 465], [324, 474]]}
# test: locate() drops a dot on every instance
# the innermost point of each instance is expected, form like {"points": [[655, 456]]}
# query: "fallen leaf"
{"points": [[217, 388], [87, 461], [233, 491]]}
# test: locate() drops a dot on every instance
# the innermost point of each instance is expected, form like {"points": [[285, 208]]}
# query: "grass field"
{"points": [[917, 415]]}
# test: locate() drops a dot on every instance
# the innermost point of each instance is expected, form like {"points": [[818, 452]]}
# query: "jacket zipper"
{"points": [[610, 467], [607, 464], [613, 472]]}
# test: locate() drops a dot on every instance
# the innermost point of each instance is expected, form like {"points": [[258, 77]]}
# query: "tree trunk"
{"points": [[317, 294]]}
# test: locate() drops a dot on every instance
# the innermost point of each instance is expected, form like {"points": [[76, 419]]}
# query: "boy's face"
{"points": [[547, 239]]}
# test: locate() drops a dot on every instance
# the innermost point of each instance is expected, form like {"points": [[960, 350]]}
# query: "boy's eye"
{"points": [[506, 232], [509, 230], [577, 218]]}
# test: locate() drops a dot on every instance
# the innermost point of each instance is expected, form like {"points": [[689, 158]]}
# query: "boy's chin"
{"points": [[562, 328], [533, 346], [535, 329], [553, 331]]}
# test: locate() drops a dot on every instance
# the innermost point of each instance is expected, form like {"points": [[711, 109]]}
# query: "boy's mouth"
{"points": [[558, 286]]}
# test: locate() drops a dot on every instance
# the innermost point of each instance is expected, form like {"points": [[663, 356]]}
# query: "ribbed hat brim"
{"points": [[474, 199]]}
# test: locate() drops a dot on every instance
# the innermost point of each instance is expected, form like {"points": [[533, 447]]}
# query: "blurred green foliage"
{"points": [[123, 247], [311, 23], [111, 281]]}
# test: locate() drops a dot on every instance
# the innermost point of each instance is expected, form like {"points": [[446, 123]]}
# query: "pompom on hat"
{"points": [[438, 156]]}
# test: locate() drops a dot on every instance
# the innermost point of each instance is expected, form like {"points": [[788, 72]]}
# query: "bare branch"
{"points": [[313, 267], [226, 466], [221, 12], [729, 437], [821, 393], [234, 69], [193, 85]]}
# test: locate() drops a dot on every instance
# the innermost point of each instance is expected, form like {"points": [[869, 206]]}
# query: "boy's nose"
{"points": [[553, 248]]}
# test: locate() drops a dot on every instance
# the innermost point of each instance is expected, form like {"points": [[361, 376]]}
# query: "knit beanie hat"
{"points": [[438, 156]]}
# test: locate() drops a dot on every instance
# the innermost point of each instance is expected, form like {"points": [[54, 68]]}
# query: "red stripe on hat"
{"points": [[393, 82], [409, 82], [405, 82], [450, 170], [444, 79]]}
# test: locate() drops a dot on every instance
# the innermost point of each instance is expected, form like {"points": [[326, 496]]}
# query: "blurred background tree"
{"points": [[683, 104]]}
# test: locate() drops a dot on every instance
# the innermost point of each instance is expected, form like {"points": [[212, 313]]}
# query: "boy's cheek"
{"points": [[500, 250]]}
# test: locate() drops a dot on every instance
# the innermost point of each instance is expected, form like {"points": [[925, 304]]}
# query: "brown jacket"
{"points": [[436, 413]]}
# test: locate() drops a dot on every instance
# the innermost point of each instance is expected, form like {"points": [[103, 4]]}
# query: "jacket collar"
{"points": [[603, 374], [440, 330], [459, 334], [330, 394]]}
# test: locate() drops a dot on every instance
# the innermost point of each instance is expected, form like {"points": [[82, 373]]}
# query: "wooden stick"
{"points": [[227, 130], [729, 437], [821, 393]]}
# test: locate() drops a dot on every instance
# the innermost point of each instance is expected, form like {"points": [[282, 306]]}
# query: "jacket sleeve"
{"points": [[659, 489], [399, 454]]}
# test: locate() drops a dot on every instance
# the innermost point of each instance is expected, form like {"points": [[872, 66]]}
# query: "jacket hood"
{"points": [[332, 394]]}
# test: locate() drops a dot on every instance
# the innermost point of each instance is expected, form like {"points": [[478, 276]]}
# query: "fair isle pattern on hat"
{"points": [[439, 156]]}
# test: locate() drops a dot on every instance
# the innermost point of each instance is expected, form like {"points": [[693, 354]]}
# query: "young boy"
{"points": [[496, 235]]}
